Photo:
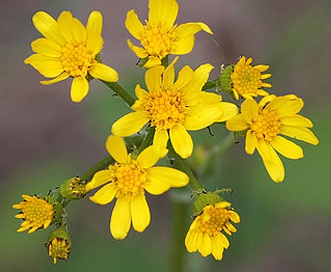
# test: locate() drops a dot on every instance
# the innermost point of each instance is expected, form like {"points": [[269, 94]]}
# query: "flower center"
{"points": [[36, 212], [158, 40], [129, 178], [213, 220], [166, 108], [76, 59], [246, 79], [59, 248], [266, 125]]}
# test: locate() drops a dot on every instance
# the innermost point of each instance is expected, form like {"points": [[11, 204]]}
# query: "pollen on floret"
{"points": [[266, 125]]}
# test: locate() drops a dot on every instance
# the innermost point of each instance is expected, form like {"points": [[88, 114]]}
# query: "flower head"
{"points": [[127, 181], [205, 233], [68, 49], [161, 36], [73, 188], [266, 122], [36, 213], [175, 107], [245, 79], [59, 244]]}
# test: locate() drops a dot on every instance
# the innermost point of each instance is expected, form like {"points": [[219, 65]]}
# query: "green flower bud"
{"points": [[73, 188], [59, 244]]}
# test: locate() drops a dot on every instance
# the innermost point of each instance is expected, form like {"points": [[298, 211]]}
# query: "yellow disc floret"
{"points": [[76, 59], [166, 108], [129, 178], [158, 40], [266, 125], [37, 213]]}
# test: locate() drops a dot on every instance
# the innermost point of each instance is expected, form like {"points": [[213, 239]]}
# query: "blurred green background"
{"points": [[45, 139]]}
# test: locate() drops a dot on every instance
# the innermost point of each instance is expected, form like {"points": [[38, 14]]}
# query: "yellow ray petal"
{"points": [[140, 52], [251, 142], [148, 157], [105, 195], [153, 78], [287, 148], [116, 147], [94, 41], [48, 27], [130, 123], [271, 161], [296, 120], [104, 72], [120, 221], [300, 133], [141, 216], [133, 24], [236, 123], [229, 110], [205, 246], [79, 89], [249, 110], [59, 78], [46, 47], [181, 141], [216, 248], [165, 175], [100, 178], [163, 12], [184, 76]]}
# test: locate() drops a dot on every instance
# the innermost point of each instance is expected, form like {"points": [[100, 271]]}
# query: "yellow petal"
{"points": [[153, 78], [133, 24], [202, 116], [300, 133], [59, 78], [181, 141], [94, 41], [271, 161], [47, 66], [140, 52], [71, 28], [79, 89], [154, 186], [184, 76], [216, 247], [130, 123], [116, 147], [120, 221], [163, 12], [183, 46], [46, 47], [205, 246], [199, 78], [189, 29], [194, 98], [160, 141], [48, 27], [152, 61], [191, 241], [100, 178], [141, 216], [251, 142], [168, 76], [236, 123], [249, 110], [287, 148], [105, 195], [286, 105], [141, 93], [229, 110], [165, 175], [148, 157], [104, 72], [296, 120]]}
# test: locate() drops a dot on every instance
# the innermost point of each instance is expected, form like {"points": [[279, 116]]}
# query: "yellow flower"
{"points": [[175, 107], [127, 181], [265, 122], [36, 213], [59, 244], [160, 36], [246, 79], [205, 233], [68, 49]]}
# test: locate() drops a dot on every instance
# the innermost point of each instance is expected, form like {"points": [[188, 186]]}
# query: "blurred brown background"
{"points": [[45, 138]]}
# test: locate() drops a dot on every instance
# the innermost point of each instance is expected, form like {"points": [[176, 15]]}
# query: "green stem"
{"points": [[120, 91], [147, 140], [104, 163], [182, 165], [180, 213]]}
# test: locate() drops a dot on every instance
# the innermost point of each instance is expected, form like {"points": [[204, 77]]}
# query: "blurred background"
{"points": [[45, 139]]}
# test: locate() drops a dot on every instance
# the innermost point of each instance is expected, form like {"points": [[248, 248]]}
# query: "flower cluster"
{"points": [[159, 124]]}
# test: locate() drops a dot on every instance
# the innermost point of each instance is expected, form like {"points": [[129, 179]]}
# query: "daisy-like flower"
{"points": [[266, 122], [175, 107], [160, 36], [127, 181], [36, 213], [244, 79], [205, 233], [68, 49], [59, 244]]}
